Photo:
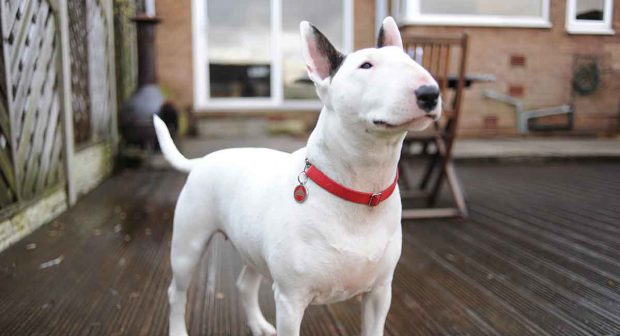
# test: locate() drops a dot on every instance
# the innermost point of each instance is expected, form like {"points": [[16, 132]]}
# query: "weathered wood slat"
{"points": [[12, 8], [46, 153], [43, 104], [571, 209], [6, 192], [23, 80], [579, 312], [557, 272], [527, 313], [23, 72], [25, 46], [455, 316], [45, 108], [5, 129], [6, 170], [579, 269], [7, 177], [55, 174], [576, 229], [500, 314], [16, 29]]}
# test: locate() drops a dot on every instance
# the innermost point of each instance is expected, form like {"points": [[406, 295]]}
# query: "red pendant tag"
{"points": [[300, 193]]}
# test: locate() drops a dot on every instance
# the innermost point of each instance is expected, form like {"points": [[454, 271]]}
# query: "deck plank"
{"points": [[539, 255]]}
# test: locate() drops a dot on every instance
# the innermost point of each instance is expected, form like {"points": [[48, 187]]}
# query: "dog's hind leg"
{"points": [[248, 284], [190, 237]]}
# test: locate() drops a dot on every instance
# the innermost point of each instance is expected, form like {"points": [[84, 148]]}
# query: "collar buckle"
{"points": [[375, 199]]}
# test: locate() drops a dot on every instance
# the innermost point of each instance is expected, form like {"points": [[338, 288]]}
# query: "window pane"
{"points": [[239, 48], [327, 16], [590, 10], [482, 7]]}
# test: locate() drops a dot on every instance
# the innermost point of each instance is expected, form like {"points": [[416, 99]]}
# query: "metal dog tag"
{"points": [[300, 193]]}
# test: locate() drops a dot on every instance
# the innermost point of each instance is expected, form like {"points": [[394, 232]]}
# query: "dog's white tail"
{"points": [[170, 151]]}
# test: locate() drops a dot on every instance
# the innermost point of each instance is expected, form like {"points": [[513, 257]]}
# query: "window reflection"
{"points": [[239, 52], [327, 16], [590, 10], [482, 7]]}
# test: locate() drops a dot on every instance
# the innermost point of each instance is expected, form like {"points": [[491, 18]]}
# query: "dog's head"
{"points": [[381, 89]]}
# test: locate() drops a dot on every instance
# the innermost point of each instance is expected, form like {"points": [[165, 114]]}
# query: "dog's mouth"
{"points": [[385, 124]]}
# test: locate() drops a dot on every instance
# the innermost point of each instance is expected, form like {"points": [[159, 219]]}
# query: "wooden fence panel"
{"points": [[43, 98], [31, 45], [7, 178], [90, 47]]}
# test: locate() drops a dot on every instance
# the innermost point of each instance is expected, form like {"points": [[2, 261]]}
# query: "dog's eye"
{"points": [[366, 65]]}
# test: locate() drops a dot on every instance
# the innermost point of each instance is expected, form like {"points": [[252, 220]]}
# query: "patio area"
{"points": [[539, 255], [530, 125]]}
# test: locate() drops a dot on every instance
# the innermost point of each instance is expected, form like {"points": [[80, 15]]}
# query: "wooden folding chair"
{"points": [[445, 58]]}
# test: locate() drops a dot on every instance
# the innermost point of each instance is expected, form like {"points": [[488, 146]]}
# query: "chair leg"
{"points": [[428, 172], [436, 189], [457, 191], [403, 177], [424, 150], [443, 162]]}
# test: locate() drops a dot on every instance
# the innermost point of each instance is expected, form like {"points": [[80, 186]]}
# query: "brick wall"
{"points": [[545, 78], [364, 24], [174, 50]]}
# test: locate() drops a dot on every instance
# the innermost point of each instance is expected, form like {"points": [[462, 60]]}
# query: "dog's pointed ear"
{"points": [[389, 35], [322, 59]]}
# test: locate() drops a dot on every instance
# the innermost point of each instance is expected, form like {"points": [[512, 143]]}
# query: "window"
{"points": [[239, 48], [247, 53], [506, 13], [327, 16], [589, 16]]}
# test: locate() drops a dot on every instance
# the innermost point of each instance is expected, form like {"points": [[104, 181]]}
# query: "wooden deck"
{"points": [[540, 255]]}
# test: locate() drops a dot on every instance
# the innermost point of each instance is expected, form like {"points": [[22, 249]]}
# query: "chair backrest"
{"points": [[445, 57]]}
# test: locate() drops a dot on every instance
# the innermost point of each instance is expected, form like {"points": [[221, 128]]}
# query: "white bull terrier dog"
{"points": [[323, 223]]}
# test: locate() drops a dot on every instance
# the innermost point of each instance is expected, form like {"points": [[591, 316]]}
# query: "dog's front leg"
{"points": [[375, 307], [290, 307]]}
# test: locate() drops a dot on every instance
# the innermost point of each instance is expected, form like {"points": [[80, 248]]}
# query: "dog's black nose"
{"points": [[427, 97]]}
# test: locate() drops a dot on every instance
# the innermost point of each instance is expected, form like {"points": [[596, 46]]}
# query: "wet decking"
{"points": [[539, 255]]}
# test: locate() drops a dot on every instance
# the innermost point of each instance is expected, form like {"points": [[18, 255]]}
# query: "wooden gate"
{"points": [[31, 126]]}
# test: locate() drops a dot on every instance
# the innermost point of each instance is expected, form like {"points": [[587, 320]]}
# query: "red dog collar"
{"points": [[371, 199]]}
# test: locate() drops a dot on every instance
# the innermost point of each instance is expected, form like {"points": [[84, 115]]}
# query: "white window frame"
{"points": [[574, 26], [408, 12], [202, 99]]}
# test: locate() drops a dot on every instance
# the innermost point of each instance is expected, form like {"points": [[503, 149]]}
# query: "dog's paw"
{"points": [[262, 328]]}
